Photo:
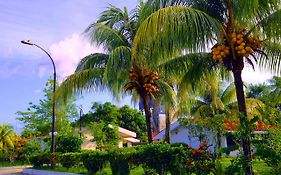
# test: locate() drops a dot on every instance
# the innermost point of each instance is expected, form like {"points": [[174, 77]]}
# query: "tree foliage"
{"points": [[124, 117], [38, 117], [7, 141]]}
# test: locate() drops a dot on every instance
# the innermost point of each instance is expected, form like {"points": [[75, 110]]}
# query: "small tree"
{"points": [[105, 135], [38, 118], [68, 143]]}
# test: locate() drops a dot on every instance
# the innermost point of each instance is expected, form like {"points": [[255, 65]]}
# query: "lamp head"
{"points": [[28, 42]]}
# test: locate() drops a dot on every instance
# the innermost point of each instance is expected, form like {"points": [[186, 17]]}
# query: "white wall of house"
{"points": [[185, 135]]}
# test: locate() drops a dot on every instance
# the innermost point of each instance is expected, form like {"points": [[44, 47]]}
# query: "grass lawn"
{"points": [[259, 166], [82, 170], [16, 163]]}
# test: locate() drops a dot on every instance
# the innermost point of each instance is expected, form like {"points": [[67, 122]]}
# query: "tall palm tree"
{"points": [[6, 139], [237, 31], [115, 31]]}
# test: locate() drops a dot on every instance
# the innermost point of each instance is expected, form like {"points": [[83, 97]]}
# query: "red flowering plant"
{"points": [[200, 161]]}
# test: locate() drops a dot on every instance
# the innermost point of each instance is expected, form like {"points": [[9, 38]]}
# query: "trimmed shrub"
{"points": [[44, 158], [122, 160], [95, 161], [68, 160], [155, 157]]}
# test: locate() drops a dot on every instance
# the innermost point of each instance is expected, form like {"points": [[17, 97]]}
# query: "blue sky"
{"points": [[57, 26]]}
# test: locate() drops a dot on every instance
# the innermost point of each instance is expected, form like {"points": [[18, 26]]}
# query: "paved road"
{"points": [[16, 170]]}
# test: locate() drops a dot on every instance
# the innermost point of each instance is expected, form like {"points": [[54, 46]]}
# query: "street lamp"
{"points": [[28, 42], [80, 120]]}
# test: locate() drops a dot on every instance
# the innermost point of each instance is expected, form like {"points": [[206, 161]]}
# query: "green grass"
{"points": [[75, 169], [82, 170], [259, 166], [8, 164]]}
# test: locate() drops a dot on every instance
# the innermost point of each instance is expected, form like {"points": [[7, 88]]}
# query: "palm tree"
{"points": [[6, 139], [115, 31], [239, 32]]}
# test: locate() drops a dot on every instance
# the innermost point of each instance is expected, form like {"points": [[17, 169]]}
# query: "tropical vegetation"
{"points": [[237, 32], [184, 56]]}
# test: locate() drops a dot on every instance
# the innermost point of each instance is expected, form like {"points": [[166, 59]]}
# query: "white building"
{"points": [[127, 138]]}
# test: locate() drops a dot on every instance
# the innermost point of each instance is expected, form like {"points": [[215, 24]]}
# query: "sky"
{"points": [[58, 27]]}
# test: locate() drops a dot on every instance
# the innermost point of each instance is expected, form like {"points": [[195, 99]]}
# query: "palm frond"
{"points": [[112, 17], [167, 94], [173, 28], [229, 94], [271, 61], [86, 80], [106, 36], [92, 61], [119, 60], [214, 8], [270, 27], [247, 10]]}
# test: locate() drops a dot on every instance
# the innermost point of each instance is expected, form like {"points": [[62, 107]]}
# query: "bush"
{"points": [[155, 157], [68, 160], [188, 160], [95, 161], [122, 160], [270, 150], [44, 158], [227, 150], [66, 143]]}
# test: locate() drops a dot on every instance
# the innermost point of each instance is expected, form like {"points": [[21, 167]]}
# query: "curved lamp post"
{"points": [[28, 42]]}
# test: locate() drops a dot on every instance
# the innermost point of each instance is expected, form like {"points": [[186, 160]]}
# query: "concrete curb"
{"points": [[29, 171]]}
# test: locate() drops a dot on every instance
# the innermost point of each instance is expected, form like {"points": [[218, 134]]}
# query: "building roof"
{"points": [[229, 125], [133, 140], [161, 134]]}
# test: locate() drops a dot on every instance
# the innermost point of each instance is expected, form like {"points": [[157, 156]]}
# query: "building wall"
{"points": [[185, 135]]}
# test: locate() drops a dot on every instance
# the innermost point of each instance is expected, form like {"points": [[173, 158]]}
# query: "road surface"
{"points": [[15, 170]]}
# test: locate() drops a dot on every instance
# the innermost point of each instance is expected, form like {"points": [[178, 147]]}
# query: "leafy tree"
{"points": [[238, 30], [269, 94], [6, 140], [31, 147], [257, 91], [38, 118], [210, 108], [132, 120], [68, 143], [107, 113], [124, 117], [105, 135], [273, 97]]}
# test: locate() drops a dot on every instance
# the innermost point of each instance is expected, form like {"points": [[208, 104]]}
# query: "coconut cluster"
{"points": [[150, 85], [220, 52], [148, 79], [244, 46]]}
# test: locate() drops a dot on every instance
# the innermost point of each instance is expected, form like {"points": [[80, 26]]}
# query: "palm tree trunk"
{"points": [[168, 126], [219, 142], [155, 116], [147, 117], [243, 116]]}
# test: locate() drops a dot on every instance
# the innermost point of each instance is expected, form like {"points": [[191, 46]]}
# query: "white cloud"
{"points": [[69, 52], [255, 76]]}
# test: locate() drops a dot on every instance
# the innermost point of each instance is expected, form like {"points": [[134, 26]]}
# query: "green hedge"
{"points": [[95, 161], [154, 158], [44, 158], [69, 160]]}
